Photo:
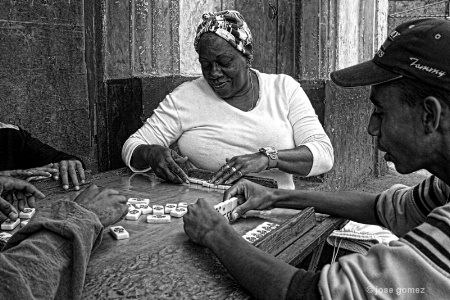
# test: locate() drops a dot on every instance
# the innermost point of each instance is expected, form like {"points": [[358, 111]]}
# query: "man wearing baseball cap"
{"points": [[410, 79]]}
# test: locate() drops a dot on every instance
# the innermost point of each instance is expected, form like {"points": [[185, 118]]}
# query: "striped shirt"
{"points": [[417, 266], [401, 208]]}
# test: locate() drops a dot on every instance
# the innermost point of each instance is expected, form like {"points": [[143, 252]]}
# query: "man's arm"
{"points": [[263, 275], [66, 166], [38, 154], [356, 206], [48, 257]]}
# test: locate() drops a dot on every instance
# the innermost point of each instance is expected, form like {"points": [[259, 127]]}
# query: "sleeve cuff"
{"points": [[127, 153], [375, 210], [322, 159]]}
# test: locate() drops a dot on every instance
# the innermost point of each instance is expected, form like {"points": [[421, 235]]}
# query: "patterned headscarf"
{"points": [[229, 25]]}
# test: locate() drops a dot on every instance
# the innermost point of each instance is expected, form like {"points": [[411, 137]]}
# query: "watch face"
{"points": [[271, 152]]}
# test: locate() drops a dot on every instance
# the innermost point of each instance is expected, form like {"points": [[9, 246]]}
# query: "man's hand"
{"points": [[44, 171], [107, 204], [69, 168], [201, 220], [251, 196], [12, 188]]}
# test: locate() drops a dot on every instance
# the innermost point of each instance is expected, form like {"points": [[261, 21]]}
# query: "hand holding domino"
{"points": [[251, 196], [202, 219], [11, 188]]}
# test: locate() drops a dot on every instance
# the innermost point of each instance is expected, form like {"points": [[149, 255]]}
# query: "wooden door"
{"points": [[273, 26]]}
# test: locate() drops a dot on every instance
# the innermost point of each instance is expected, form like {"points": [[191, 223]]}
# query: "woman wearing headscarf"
{"points": [[234, 120]]}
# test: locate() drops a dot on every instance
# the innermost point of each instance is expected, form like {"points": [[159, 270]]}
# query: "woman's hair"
{"points": [[413, 91]]}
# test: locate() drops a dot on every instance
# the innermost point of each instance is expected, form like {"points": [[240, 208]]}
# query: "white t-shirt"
{"points": [[207, 129]]}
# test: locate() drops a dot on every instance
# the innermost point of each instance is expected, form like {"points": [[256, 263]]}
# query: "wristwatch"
{"points": [[272, 154]]}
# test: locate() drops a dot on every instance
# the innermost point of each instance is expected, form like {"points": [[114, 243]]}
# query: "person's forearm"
{"points": [[54, 247], [263, 275], [139, 158], [355, 206], [296, 161], [38, 154]]}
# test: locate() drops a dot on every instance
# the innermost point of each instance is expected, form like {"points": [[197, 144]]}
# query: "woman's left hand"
{"points": [[238, 166]]}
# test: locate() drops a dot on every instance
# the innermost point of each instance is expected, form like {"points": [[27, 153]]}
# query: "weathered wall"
{"points": [[329, 40], [347, 111], [347, 114], [43, 73], [155, 38]]}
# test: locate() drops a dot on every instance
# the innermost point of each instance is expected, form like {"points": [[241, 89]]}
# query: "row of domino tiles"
{"points": [[259, 232], [205, 183], [225, 208], [155, 214]]}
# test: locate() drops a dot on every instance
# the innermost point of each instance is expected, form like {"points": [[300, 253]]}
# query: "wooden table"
{"points": [[159, 261]]}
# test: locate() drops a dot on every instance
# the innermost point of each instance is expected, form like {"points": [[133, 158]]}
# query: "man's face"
{"points": [[397, 127]]}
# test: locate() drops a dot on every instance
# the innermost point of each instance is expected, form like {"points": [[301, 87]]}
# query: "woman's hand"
{"points": [[165, 162], [238, 166]]}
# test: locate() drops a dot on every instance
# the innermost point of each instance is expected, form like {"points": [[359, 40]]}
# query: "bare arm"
{"points": [[265, 276], [356, 206], [298, 160], [140, 158]]}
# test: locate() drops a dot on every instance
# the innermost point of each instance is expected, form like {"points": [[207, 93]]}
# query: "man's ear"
{"points": [[431, 115]]}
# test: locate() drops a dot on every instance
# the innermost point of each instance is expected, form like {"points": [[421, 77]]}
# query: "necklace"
{"points": [[253, 92]]}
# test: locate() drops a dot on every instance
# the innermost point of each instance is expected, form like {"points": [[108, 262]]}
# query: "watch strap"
{"points": [[272, 154]]}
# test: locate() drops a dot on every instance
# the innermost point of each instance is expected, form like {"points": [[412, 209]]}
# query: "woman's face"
{"points": [[224, 67]]}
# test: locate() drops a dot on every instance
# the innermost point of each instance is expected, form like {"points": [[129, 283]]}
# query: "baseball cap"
{"points": [[418, 49]]}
